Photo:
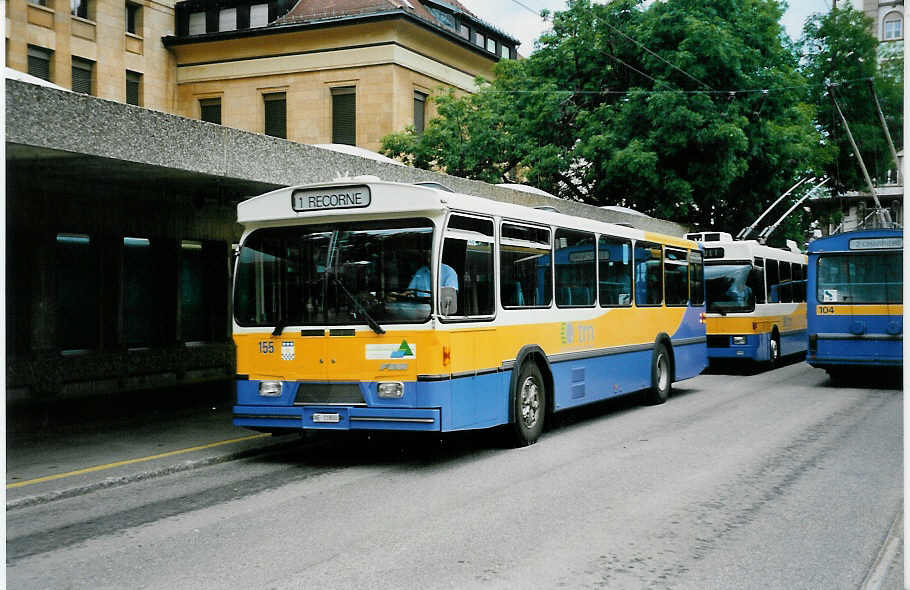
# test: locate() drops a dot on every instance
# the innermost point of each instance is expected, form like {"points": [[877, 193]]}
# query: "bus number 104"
{"points": [[266, 347], [825, 310]]}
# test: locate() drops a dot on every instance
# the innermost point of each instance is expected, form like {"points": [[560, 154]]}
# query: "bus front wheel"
{"points": [[529, 403], [661, 377], [773, 350]]}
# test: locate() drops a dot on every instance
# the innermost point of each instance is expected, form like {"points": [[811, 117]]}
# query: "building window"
{"points": [[76, 265], [464, 31], [82, 75], [210, 110], [344, 121], [133, 81], [259, 15], [505, 52], [491, 45], [133, 12], [38, 2], [139, 288], [479, 39], [39, 62], [276, 115], [194, 316], [420, 111], [79, 8], [227, 19], [446, 19], [197, 23], [893, 27]]}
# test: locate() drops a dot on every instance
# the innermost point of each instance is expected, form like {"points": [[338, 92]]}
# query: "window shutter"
{"points": [[276, 115], [344, 122], [39, 63], [82, 76]]}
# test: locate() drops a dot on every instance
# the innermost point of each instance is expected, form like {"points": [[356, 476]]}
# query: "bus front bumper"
{"points": [[730, 346], [317, 417]]}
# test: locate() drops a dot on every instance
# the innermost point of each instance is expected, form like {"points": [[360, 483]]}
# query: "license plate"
{"points": [[327, 418]]}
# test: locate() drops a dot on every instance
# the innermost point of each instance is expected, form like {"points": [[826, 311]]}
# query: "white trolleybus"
{"points": [[756, 299], [372, 305]]}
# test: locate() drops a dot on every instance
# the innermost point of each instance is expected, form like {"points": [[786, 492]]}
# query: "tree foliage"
{"points": [[690, 110], [841, 57]]}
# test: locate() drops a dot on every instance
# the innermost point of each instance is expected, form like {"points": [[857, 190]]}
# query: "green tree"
{"points": [[631, 105], [841, 55]]}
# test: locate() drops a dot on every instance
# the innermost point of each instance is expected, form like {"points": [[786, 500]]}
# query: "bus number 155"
{"points": [[266, 347]]}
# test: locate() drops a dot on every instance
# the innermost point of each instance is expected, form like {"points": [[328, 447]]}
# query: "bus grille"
{"points": [[329, 393], [722, 341]]}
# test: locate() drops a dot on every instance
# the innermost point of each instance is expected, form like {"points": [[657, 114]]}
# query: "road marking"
{"points": [[20, 484], [876, 575]]}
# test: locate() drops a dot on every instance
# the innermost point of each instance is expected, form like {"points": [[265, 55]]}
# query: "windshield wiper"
{"points": [[280, 325], [360, 308]]}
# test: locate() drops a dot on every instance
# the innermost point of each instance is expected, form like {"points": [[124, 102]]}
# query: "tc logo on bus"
{"points": [[570, 333]]}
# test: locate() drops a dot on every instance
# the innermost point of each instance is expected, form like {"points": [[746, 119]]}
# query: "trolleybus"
{"points": [[369, 305], [756, 298], [856, 301]]}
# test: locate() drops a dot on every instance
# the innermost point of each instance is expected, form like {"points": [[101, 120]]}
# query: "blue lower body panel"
{"points": [[757, 347], [859, 352]]}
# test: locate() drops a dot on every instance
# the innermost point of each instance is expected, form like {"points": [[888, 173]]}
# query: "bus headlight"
{"points": [[270, 388], [393, 390], [739, 340]]}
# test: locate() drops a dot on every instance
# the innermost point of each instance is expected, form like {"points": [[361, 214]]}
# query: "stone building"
{"points": [[348, 74], [888, 21]]}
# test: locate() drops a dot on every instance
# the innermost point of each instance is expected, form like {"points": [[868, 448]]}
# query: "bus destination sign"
{"points": [[352, 197], [876, 243]]}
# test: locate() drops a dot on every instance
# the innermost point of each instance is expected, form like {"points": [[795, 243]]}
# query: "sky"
{"points": [[519, 18]]}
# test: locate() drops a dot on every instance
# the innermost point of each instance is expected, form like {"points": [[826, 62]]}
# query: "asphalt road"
{"points": [[774, 480]]}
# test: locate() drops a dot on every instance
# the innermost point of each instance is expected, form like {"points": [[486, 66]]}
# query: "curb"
{"points": [[113, 482]]}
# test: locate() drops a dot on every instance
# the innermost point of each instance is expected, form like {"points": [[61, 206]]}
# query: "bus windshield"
{"points": [[865, 278], [729, 288], [353, 273]]}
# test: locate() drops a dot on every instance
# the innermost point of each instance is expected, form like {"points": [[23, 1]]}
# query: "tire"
{"points": [[529, 404], [774, 351], [661, 377]]}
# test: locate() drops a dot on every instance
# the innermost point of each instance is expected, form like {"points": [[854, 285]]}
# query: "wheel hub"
{"points": [[530, 402]]}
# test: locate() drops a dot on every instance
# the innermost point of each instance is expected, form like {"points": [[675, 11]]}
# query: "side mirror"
{"points": [[448, 301]]}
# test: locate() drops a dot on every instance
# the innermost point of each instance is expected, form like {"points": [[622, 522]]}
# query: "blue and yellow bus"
{"points": [[856, 301], [369, 305], [756, 301]]}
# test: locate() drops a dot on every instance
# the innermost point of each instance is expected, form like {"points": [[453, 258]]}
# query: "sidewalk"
{"points": [[60, 452]]}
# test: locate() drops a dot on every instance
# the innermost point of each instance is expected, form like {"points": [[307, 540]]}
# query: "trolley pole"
{"points": [[881, 118], [883, 215]]}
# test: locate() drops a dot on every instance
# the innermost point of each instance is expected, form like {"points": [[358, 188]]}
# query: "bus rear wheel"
{"points": [[661, 376], [529, 403]]}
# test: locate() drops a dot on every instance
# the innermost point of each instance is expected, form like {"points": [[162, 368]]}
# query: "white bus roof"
{"points": [[366, 197], [747, 250]]}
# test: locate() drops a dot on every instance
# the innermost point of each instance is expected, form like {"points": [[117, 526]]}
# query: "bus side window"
{"points": [[525, 266], [576, 266], [648, 273], [786, 287], [614, 257], [466, 269], [772, 273], [756, 280], [697, 278]]}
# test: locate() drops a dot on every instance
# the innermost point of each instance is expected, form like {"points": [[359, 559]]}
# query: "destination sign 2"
{"points": [[348, 197]]}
